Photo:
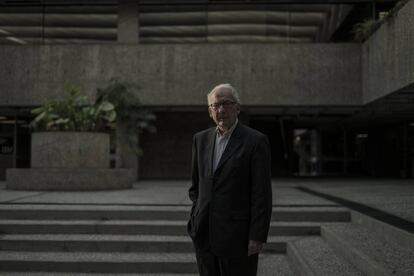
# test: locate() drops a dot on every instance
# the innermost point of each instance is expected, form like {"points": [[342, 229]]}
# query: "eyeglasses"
{"points": [[225, 105]]}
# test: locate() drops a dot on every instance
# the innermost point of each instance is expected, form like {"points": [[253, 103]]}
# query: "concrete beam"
{"points": [[62, 32], [181, 75], [128, 24], [388, 56], [269, 2], [58, 20]]}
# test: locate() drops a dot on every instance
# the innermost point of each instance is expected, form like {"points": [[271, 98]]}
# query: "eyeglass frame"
{"points": [[224, 104]]}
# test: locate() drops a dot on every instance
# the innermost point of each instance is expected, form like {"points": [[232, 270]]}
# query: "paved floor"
{"points": [[393, 196]]}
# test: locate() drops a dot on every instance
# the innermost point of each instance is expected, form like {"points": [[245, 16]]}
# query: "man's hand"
{"points": [[254, 247]]}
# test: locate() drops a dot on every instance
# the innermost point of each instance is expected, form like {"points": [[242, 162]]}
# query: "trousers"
{"points": [[212, 265]]}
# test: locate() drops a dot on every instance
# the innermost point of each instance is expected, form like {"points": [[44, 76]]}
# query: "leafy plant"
{"points": [[362, 30], [134, 118], [73, 113]]}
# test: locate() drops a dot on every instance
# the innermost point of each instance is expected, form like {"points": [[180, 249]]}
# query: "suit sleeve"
{"points": [[261, 191], [193, 191]]}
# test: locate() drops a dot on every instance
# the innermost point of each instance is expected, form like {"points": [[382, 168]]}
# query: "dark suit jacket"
{"points": [[234, 204]]}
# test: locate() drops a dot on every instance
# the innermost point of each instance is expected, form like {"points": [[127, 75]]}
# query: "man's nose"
{"points": [[220, 108]]}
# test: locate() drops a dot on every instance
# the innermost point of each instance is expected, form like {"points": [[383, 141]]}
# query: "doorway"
{"points": [[14, 142], [279, 137]]}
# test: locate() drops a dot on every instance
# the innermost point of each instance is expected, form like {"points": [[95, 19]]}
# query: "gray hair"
{"points": [[228, 87]]}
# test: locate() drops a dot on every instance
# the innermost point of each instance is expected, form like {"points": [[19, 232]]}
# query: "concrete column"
{"points": [[128, 23], [15, 141], [315, 140], [345, 163]]}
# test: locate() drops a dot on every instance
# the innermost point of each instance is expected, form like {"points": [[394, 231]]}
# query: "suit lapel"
{"points": [[210, 151], [234, 143]]}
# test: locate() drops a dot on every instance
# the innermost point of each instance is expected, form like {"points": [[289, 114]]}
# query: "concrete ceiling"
{"points": [[201, 21], [395, 107], [28, 22]]}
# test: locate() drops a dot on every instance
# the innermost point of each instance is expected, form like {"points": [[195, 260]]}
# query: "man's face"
{"points": [[223, 109]]}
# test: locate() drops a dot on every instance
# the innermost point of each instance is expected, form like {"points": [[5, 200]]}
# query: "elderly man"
{"points": [[231, 190]]}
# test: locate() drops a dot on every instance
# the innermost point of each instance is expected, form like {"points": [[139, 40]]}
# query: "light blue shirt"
{"points": [[220, 144]]}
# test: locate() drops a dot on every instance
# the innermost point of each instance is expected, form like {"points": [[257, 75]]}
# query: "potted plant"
{"points": [[70, 132], [71, 147], [132, 120], [133, 116]]}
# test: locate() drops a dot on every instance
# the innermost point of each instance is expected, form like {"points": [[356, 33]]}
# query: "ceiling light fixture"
{"points": [[15, 39]]}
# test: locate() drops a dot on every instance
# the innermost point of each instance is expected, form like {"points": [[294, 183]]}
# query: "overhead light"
{"points": [[362, 135], [11, 38], [4, 32], [15, 39], [299, 131]]}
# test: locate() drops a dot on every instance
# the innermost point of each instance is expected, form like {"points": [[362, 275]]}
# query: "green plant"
{"points": [[134, 118], [362, 30], [73, 113]]}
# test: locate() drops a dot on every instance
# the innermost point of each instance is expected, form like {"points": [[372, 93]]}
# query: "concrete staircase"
{"points": [[151, 240], [352, 248]]}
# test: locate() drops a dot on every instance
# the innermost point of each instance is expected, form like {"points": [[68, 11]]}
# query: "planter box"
{"points": [[69, 161], [68, 179], [70, 150]]}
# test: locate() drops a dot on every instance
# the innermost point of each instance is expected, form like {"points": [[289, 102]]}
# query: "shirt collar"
{"points": [[228, 132]]}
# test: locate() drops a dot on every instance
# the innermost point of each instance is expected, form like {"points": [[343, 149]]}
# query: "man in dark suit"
{"points": [[231, 190]]}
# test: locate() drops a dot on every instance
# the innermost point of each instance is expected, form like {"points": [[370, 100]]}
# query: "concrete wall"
{"points": [[388, 56], [265, 74], [70, 150]]}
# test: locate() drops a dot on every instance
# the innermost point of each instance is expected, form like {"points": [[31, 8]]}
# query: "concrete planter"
{"points": [[69, 161], [70, 150]]}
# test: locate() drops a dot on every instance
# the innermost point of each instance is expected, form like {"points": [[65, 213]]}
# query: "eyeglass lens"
{"points": [[225, 104]]}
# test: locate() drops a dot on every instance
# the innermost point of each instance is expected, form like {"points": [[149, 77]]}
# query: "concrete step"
{"points": [[81, 262], [116, 212], [130, 227], [273, 265], [125, 227], [294, 228], [314, 257], [269, 265], [96, 243], [93, 212], [367, 251], [143, 240], [384, 231], [115, 243], [9, 273], [311, 214]]}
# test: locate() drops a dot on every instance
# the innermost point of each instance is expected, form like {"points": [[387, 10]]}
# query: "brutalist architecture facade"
{"points": [[330, 83]]}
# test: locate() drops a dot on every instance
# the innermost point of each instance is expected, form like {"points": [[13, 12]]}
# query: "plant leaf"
{"points": [[107, 106]]}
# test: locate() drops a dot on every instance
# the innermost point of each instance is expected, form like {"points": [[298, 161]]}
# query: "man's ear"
{"points": [[210, 113]]}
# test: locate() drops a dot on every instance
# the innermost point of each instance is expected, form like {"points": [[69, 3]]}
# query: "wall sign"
{"points": [[6, 145]]}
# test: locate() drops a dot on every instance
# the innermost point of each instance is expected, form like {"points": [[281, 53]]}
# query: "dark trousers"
{"points": [[211, 265]]}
